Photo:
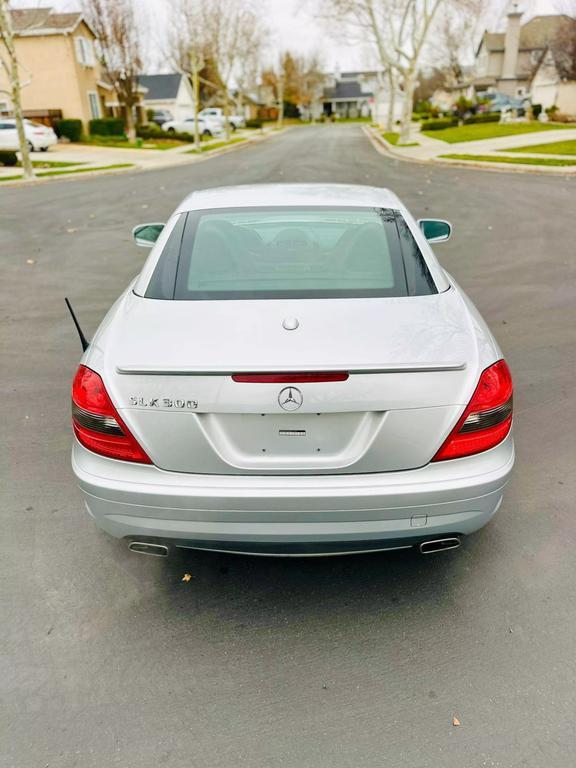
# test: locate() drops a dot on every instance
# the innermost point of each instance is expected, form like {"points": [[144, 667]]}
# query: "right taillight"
{"points": [[97, 424], [487, 418]]}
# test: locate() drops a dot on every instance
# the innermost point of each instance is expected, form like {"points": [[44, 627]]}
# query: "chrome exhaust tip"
{"points": [[439, 545], [146, 548]]}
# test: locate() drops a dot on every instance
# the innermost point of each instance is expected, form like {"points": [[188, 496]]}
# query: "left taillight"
{"points": [[487, 418], [96, 422]]}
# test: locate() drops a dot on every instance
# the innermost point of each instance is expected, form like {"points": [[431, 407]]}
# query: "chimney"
{"points": [[512, 42]]}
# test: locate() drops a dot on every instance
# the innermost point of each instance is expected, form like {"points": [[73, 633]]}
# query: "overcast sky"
{"points": [[292, 25]]}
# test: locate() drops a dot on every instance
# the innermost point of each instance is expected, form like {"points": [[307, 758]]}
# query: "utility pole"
{"points": [[11, 66]]}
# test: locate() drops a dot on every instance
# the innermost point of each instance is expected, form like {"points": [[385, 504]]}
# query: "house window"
{"points": [[94, 104], [84, 51]]}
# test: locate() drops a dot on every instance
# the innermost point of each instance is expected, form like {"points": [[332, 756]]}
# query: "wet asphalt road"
{"points": [[109, 659]]}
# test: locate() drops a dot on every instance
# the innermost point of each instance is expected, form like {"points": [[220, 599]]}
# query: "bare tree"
{"points": [[9, 63], [398, 31], [457, 34], [187, 51], [232, 28], [116, 27]]}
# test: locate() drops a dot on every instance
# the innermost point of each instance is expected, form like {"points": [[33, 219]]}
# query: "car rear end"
{"points": [[291, 394], [41, 137]]}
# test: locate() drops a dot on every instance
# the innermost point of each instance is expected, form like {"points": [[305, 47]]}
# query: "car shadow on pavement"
{"points": [[270, 590]]}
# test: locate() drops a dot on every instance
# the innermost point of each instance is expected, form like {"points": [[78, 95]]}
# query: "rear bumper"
{"points": [[294, 514]]}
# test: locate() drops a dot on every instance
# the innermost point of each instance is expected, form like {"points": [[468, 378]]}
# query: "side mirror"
{"points": [[146, 235], [435, 230]]}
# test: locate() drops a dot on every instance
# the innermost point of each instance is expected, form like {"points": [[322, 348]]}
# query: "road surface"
{"points": [[109, 659]]}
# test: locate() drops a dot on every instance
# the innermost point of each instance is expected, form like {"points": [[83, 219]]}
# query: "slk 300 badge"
{"points": [[162, 402]]}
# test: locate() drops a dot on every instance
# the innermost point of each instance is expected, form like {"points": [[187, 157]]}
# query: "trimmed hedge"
{"points": [[254, 123], [146, 132], [8, 158], [485, 117], [71, 129], [106, 126], [440, 124]]}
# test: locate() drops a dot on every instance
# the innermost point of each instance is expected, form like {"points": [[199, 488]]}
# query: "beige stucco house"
{"points": [[59, 68], [506, 61]]}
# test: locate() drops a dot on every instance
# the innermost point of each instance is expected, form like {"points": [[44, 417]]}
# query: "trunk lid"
{"points": [[168, 366]]}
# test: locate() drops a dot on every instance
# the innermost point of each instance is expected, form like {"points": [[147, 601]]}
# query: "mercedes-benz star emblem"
{"points": [[290, 399]]}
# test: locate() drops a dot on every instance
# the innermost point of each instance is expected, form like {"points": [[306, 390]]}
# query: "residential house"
{"points": [[506, 61], [59, 69], [58, 66], [360, 94], [554, 82], [172, 92]]}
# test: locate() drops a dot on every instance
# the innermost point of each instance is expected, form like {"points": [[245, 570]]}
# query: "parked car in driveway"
{"points": [[292, 372], [161, 116], [217, 113], [38, 137], [207, 128], [499, 102]]}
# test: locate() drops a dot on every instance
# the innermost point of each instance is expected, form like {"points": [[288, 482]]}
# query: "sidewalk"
{"points": [[430, 150], [86, 158]]}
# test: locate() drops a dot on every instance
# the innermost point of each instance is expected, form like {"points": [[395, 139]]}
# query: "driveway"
{"points": [[110, 659]]}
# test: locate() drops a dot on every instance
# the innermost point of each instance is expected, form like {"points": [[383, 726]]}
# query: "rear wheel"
{"points": [[30, 146], [206, 133], [171, 130], [43, 149]]}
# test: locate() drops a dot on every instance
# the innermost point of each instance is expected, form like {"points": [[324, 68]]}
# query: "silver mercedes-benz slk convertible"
{"points": [[292, 373]]}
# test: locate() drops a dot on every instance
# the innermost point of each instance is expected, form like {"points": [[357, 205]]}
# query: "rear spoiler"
{"points": [[158, 370]]}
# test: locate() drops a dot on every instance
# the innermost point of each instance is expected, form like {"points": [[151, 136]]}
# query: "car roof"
{"points": [[263, 195]]}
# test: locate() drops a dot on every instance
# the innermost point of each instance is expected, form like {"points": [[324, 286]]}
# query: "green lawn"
{"points": [[555, 148], [76, 170], [217, 145], [51, 164], [481, 131], [392, 137], [514, 160], [116, 142]]}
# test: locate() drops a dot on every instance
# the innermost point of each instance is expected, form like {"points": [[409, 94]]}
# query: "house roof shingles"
{"points": [[37, 20], [535, 35], [346, 90], [160, 87]]}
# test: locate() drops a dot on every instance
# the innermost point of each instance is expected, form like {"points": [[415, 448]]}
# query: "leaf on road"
{"points": [[455, 721], [30, 261], [70, 230], [187, 577]]}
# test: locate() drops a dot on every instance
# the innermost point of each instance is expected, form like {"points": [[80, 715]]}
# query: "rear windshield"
{"points": [[296, 253]]}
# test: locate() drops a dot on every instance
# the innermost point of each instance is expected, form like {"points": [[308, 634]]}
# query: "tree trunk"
{"points": [[8, 37], [226, 115], [409, 87], [130, 126], [391, 101], [281, 103], [196, 89]]}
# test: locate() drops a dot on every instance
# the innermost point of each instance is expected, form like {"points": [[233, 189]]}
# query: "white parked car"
{"points": [[207, 128], [217, 113], [39, 137], [292, 372]]}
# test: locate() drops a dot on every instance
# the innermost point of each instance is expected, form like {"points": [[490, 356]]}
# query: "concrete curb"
{"points": [[190, 159], [382, 146]]}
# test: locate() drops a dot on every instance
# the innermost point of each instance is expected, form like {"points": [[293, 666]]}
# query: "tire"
{"points": [[171, 130], [43, 149], [207, 133], [30, 146]]}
